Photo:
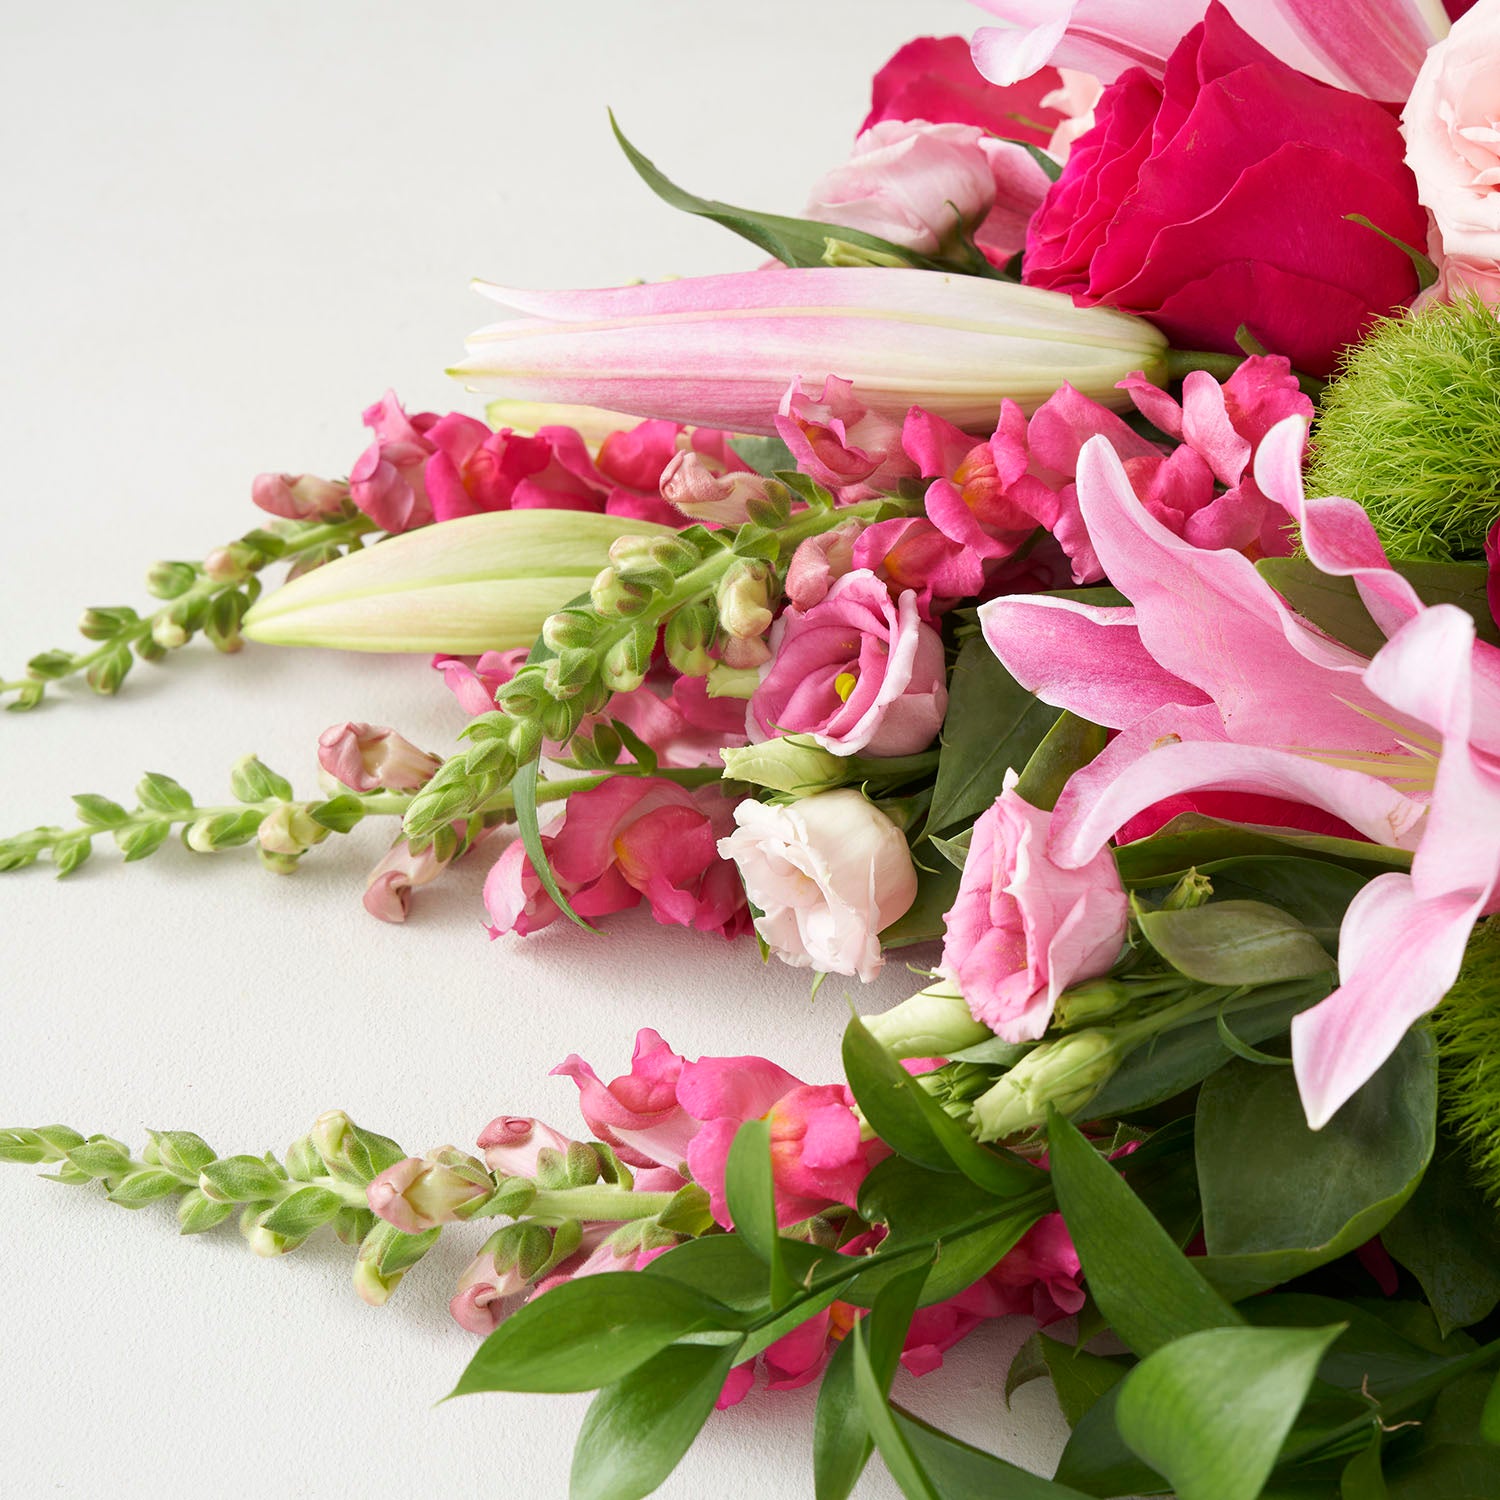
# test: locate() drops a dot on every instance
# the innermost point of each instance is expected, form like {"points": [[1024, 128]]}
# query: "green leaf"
{"points": [[588, 1333], [99, 812], [1188, 1054], [160, 793], [338, 814], [993, 725], [794, 242], [1422, 263], [241, 1179], [1244, 1050], [1448, 1237], [905, 1468], [722, 1267], [751, 1195], [1489, 1416], [1362, 1478], [141, 840], [638, 1427], [70, 852], [1078, 1377], [298, 1214], [1304, 1197], [1313, 891], [764, 454], [145, 1186], [841, 1437], [1235, 942], [1193, 840], [1068, 746], [1144, 1285], [1210, 1409], [523, 789], [914, 1125], [197, 1213], [961, 1472]]}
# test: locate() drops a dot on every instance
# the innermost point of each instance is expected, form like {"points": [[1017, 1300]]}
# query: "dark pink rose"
{"points": [[934, 78], [1219, 194]]}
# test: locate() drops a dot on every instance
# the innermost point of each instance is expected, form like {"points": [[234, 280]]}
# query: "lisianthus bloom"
{"points": [[1025, 928], [1452, 127], [1221, 195], [927, 186], [629, 837], [1404, 747], [859, 672], [827, 874], [1372, 46]]}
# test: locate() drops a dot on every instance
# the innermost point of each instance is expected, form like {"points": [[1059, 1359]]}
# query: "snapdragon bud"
{"points": [[702, 495], [299, 497], [793, 765], [512, 1144], [289, 829], [1068, 1073], [170, 580], [420, 1193], [935, 1022], [744, 598], [390, 884], [371, 757]]}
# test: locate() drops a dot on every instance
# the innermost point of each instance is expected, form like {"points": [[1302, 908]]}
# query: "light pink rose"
{"points": [[827, 873], [858, 672], [1452, 127], [1023, 928], [922, 185]]}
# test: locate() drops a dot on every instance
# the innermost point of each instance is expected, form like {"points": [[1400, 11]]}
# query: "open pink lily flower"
{"points": [[1372, 47], [1216, 685], [720, 350]]}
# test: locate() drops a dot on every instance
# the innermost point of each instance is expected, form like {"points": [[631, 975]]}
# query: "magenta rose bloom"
{"points": [[860, 673], [1023, 928], [1219, 194]]}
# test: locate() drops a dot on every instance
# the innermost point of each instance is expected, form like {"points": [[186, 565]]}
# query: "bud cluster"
{"points": [[209, 598]]}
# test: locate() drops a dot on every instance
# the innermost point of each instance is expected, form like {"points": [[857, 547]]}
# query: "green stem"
{"points": [[614, 1205], [1182, 362]]}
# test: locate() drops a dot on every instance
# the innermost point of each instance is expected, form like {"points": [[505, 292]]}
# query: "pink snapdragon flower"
{"points": [[389, 886], [1025, 928], [388, 481], [859, 672], [512, 1144], [841, 443], [626, 838], [927, 186], [371, 757], [299, 497], [474, 680]]}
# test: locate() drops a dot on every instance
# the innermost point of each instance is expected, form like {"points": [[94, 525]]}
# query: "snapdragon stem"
{"points": [[598, 1202]]}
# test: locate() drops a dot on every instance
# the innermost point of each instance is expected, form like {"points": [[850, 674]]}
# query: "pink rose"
{"points": [[1219, 194], [858, 672], [838, 441], [629, 837], [924, 186], [827, 873], [1452, 127], [1023, 928], [934, 78]]}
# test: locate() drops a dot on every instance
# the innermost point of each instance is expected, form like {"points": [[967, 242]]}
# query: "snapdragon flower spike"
{"points": [[211, 597], [720, 350]]}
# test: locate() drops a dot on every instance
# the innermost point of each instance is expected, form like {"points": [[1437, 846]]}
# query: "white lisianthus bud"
{"points": [[935, 1022], [787, 763], [827, 873]]}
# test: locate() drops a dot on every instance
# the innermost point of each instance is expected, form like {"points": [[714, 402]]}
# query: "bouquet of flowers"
{"points": [[1073, 558]]}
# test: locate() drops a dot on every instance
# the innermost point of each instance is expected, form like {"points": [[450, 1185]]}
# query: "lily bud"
{"points": [[370, 757], [793, 765], [421, 1193], [1067, 1073], [935, 1022], [699, 493], [299, 497], [744, 599], [476, 584]]}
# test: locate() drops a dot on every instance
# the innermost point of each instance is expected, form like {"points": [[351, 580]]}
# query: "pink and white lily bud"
{"points": [[388, 890], [299, 497], [511, 1144], [702, 495], [419, 1193], [370, 757]]}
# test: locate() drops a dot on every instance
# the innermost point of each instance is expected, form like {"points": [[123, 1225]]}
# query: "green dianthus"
{"points": [[1467, 1029], [1410, 429]]}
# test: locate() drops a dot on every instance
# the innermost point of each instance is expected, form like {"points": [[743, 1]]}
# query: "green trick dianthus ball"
{"points": [[1466, 1027], [1410, 428]]}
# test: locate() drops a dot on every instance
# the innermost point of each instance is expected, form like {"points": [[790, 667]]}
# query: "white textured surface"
{"points": [[227, 229]]}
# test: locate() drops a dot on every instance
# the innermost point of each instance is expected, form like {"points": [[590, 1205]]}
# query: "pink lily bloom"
{"points": [[1216, 685], [1372, 47], [720, 351]]}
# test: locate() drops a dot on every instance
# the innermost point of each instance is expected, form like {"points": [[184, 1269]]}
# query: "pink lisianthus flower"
{"points": [[841, 443], [858, 672], [629, 837], [1024, 928], [928, 186]]}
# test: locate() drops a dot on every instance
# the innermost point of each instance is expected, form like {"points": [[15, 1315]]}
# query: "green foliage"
{"points": [[1410, 429], [1467, 1028]]}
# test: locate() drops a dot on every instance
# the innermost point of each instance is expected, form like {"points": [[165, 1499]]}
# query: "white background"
{"points": [[226, 229]]}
